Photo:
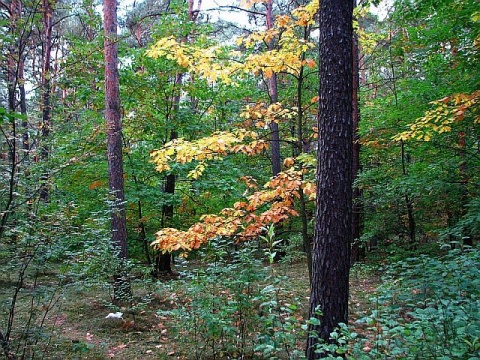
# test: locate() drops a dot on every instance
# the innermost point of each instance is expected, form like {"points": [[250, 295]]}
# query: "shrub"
{"points": [[427, 308]]}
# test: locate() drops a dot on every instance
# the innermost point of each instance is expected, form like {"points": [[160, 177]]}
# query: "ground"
{"points": [[78, 327]]}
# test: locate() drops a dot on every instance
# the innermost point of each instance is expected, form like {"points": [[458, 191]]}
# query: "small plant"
{"points": [[234, 308]]}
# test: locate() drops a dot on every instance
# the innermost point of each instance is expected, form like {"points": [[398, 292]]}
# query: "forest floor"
{"points": [[77, 326]]}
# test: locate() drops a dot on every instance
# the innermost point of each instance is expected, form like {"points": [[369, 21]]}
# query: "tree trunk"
{"points": [[462, 169], [405, 159], [163, 261], [306, 241], [122, 291], [46, 36], [357, 249], [333, 228], [273, 93]]}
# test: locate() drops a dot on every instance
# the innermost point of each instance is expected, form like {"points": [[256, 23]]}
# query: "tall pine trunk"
{"points": [[122, 291], [333, 228]]}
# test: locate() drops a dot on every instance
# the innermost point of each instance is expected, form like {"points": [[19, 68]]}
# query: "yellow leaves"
{"points": [[209, 63], [309, 189], [214, 64], [305, 15], [310, 63], [209, 148], [170, 48], [261, 115], [446, 112], [287, 57], [283, 20]]}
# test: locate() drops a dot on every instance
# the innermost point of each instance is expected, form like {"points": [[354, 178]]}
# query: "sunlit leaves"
{"points": [[445, 114], [262, 114], [216, 63], [287, 57], [210, 62], [205, 149]]}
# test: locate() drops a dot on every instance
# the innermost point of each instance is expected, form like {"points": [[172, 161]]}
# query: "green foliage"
{"points": [[235, 308], [429, 55], [426, 308], [467, 227]]}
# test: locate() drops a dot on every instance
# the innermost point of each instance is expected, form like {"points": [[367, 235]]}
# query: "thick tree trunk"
{"points": [[333, 228], [122, 290]]}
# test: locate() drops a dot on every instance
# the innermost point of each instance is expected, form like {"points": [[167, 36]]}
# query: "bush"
{"points": [[235, 307], [428, 308]]}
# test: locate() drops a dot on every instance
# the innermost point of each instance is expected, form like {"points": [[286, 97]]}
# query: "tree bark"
{"points": [[333, 228], [122, 289]]}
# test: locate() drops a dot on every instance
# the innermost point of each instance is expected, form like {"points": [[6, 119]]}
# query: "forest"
{"points": [[243, 179]]}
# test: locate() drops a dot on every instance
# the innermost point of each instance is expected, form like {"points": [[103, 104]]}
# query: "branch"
{"points": [[237, 8]]}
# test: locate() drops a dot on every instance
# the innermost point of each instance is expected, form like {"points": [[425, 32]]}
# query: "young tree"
{"points": [[114, 147], [333, 229]]}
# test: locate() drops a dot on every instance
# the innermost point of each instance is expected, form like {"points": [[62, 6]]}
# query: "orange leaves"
{"points": [[448, 111], [271, 205], [288, 162], [96, 184]]}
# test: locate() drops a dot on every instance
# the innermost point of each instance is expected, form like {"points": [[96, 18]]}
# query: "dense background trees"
{"points": [[208, 98]]}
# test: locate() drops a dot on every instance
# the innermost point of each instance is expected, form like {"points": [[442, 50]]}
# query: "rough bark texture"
{"points": [[114, 146], [333, 229]]}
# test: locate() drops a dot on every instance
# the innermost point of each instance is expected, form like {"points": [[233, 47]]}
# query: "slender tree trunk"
{"points": [[122, 289], [333, 228], [23, 107], [408, 201], [273, 93], [47, 23], [405, 159], [462, 169], [357, 225], [14, 52], [307, 246], [163, 261]]}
